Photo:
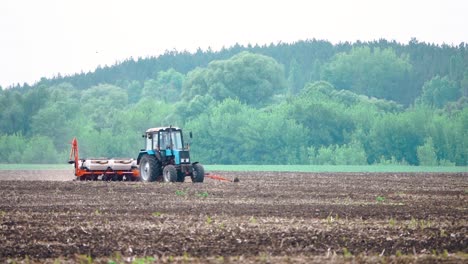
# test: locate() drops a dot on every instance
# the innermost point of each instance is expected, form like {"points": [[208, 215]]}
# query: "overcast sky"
{"points": [[40, 38]]}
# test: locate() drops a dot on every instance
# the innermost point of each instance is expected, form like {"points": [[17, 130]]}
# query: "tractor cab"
{"points": [[164, 138], [168, 144]]}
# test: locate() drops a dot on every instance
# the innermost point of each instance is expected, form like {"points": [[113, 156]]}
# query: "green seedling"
{"points": [[424, 224], [185, 257], [443, 233], [445, 254], [156, 214], [380, 199], [413, 224], [144, 260], [180, 193], [346, 253], [203, 194], [208, 220]]}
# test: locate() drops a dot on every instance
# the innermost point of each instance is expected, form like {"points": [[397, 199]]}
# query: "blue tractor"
{"points": [[166, 158]]}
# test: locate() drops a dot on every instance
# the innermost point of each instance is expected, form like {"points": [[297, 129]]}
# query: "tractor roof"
{"points": [[157, 129]]}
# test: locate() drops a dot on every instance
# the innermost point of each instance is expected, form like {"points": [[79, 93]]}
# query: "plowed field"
{"points": [[267, 217]]}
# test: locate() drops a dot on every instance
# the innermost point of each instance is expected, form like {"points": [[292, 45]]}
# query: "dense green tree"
{"points": [[12, 148], [40, 150], [464, 84], [347, 154], [167, 86], [438, 91], [51, 122], [426, 153], [101, 103], [143, 115], [234, 133], [326, 120], [378, 73], [293, 77], [54, 118], [449, 136], [397, 136], [251, 78], [199, 104], [134, 89]]}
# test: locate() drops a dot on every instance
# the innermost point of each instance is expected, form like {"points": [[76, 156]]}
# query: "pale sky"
{"points": [[41, 38]]}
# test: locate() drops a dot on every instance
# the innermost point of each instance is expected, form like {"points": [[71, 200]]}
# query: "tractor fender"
{"points": [[148, 152]]}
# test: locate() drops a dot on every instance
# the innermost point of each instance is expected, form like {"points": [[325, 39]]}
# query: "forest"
{"points": [[308, 102]]}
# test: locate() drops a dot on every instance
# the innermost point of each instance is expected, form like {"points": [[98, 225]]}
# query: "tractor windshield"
{"points": [[165, 138]]}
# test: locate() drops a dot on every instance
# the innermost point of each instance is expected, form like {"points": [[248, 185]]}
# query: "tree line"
{"points": [[309, 102]]}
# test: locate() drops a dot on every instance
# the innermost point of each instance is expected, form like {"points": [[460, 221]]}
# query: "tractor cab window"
{"points": [[148, 141], [151, 141], [177, 139], [155, 142], [174, 137]]}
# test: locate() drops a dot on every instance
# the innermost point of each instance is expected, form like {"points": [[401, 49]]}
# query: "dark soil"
{"points": [[266, 217]]}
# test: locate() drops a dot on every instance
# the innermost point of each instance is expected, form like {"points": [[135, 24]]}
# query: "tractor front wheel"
{"points": [[149, 168], [170, 173], [198, 174]]}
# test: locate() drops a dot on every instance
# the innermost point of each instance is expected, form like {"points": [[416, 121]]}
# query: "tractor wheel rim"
{"points": [[145, 172], [166, 176]]}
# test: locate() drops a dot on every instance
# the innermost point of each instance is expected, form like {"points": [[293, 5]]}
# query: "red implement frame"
{"points": [[79, 172]]}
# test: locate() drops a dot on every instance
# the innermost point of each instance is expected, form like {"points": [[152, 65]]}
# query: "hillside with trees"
{"points": [[309, 102]]}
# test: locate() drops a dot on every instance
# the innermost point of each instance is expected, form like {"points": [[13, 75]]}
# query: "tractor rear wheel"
{"points": [[198, 174], [149, 168], [169, 174]]}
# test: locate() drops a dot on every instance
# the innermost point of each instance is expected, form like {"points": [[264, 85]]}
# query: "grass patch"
{"points": [[336, 168], [285, 168]]}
